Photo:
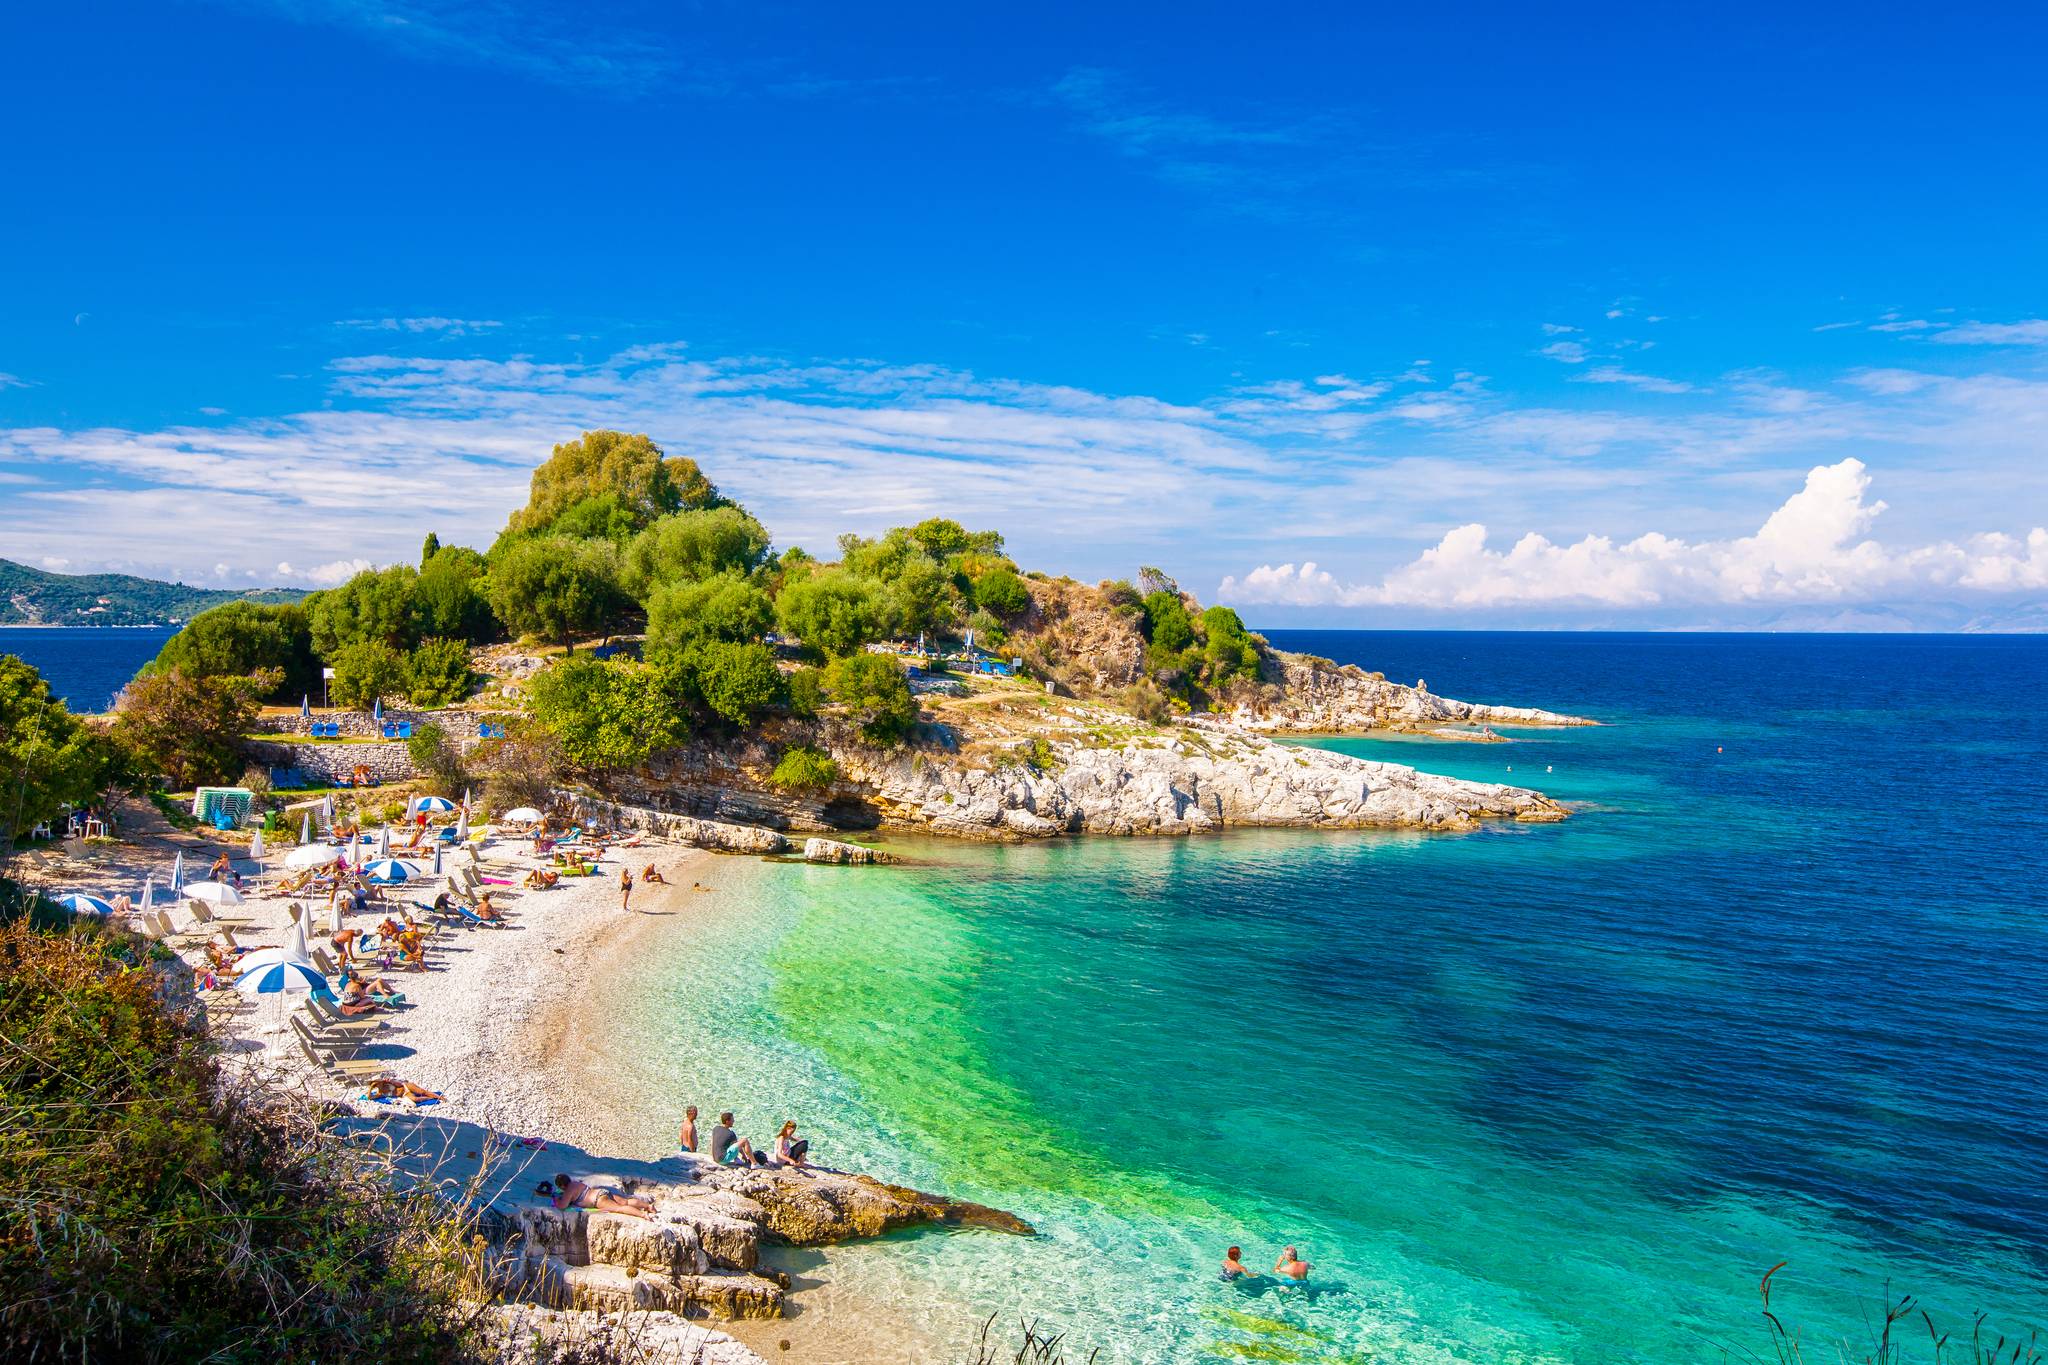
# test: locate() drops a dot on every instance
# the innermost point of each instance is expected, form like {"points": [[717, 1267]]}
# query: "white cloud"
{"points": [[1812, 550], [1614, 374], [337, 571], [1567, 352], [2032, 332], [56, 563], [1557, 329], [454, 327], [14, 381]]}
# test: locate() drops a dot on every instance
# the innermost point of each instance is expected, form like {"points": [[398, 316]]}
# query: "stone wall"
{"points": [[328, 761]]}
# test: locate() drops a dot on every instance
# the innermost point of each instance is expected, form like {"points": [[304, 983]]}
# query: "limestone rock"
{"points": [[833, 851], [1320, 697], [816, 1207]]}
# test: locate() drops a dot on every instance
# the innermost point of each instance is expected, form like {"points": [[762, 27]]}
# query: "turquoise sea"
{"points": [[1544, 1093]]}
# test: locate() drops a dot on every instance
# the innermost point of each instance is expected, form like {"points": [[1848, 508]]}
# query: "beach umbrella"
{"points": [[306, 829], [384, 842], [334, 911], [220, 893], [437, 860], [522, 815], [256, 847], [327, 810], [305, 706], [148, 893], [465, 798], [390, 871], [377, 710], [310, 855], [78, 903], [434, 803], [462, 825], [177, 872], [275, 972]]}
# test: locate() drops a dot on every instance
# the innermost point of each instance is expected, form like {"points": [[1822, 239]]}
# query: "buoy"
{"points": [[1717, 748]]}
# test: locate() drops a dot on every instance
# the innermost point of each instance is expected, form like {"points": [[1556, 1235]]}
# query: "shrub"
{"points": [[611, 714], [737, 681], [366, 672], [163, 1214], [1001, 592], [238, 638], [806, 691], [436, 756], [47, 757], [875, 694], [438, 673], [721, 607], [187, 729], [1036, 754], [1166, 621], [804, 768]]}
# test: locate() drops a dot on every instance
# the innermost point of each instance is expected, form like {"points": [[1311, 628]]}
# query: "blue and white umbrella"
{"points": [[274, 971], [78, 903], [377, 710], [391, 871], [305, 706], [434, 803], [177, 873]]}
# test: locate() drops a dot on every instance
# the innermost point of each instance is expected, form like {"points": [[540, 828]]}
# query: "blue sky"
{"points": [[1289, 304]]}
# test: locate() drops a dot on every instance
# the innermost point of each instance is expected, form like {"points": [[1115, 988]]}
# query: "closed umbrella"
{"points": [[437, 860], [78, 903], [305, 706], [462, 825], [327, 810], [306, 830], [384, 842], [148, 893], [377, 710], [390, 871], [177, 872], [256, 847], [219, 893]]}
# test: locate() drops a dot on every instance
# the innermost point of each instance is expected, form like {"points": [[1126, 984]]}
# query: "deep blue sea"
{"points": [[1539, 1093], [86, 665]]}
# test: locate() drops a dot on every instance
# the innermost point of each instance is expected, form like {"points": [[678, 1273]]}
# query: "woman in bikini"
{"points": [[571, 1193]]}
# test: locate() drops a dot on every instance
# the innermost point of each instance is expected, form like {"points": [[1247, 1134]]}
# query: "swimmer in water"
{"points": [[1234, 1267], [1291, 1265]]}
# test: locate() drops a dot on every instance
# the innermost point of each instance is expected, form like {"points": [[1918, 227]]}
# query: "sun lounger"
{"points": [[329, 1019], [329, 1063]]}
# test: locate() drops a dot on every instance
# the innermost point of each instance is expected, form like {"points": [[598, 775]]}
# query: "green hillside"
{"points": [[32, 597]]}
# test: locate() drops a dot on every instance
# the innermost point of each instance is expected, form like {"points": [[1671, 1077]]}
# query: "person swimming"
{"points": [[1234, 1267], [1291, 1265]]}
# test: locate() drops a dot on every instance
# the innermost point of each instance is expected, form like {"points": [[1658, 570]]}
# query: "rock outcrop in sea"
{"points": [[1317, 696]]}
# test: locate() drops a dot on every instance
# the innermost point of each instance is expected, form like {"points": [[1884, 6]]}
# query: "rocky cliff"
{"points": [[1316, 696]]}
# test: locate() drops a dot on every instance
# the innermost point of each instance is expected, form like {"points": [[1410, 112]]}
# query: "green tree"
{"points": [[835, 612], [605, 516], [922, 596], [429, 547], [438, 673], [377, 604], [437, 756], [556, 588], [723, 607], [238, 638], [1229, 651], [646, 483], [875, 694], [805, 691], [611, 714], [47, 757], [694, 545], [449, 599], [803, 767], [1001, 593], [185, 728], [366, 672], [737, 681], [1166, 621]]}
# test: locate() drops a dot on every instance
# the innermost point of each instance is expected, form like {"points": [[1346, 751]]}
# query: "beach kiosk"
{"points": [[223, 807]]}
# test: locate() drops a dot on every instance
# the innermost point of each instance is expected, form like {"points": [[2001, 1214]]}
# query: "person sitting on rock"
{"points": [[576, 1194], [789, 1149], [729, 1148], [687, 1138]]}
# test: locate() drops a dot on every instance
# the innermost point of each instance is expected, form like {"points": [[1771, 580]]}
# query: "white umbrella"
{"points": [[384, 842], [220, 893], [306, 829], [256, 847], [177, 872], [148, 893], [462, 825], [465, 800], [327, 810], [309, 855], [334, 912], [522, 815]]}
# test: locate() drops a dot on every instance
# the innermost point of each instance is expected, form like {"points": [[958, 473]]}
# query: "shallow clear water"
{"points": [[1544, 1093]]}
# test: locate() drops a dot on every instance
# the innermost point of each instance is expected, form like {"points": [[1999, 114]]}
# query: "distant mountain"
{"points": [[32, 597]]}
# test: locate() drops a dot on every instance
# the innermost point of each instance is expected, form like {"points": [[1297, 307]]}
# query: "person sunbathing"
{"points": [[653, 875], [373, 987], [577, 1194], [540, 879], [486, 911], [392, 1088], [412, 949], [355, 997]]}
